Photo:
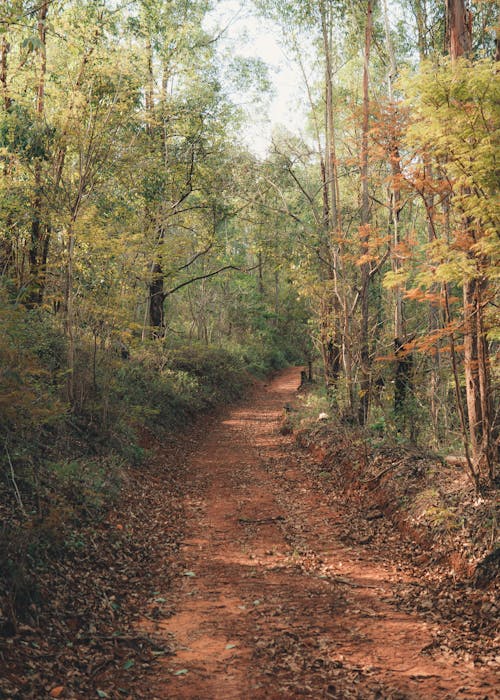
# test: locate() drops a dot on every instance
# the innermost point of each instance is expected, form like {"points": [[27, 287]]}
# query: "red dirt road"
{"points": [[269, 602]]}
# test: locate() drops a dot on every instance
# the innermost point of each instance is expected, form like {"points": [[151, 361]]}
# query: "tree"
{"points": [[454, 124]]}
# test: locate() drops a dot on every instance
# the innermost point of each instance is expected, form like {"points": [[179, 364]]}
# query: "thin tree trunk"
{"points": [[461, 414], [69, 314], [364, 232], [39, 243], [6, 252], [260, 273], [156, 286], [330, 322]]}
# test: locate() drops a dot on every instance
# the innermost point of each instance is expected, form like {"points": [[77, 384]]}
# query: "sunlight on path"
{"points": [[270, 603]]}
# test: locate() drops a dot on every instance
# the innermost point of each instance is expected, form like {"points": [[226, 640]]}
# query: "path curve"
{"points": [[269, 603]]}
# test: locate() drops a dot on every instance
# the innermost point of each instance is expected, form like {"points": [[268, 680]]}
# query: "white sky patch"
{"points": [[251, 37]]}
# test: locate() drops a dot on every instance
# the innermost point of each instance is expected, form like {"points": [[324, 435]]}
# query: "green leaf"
{"points": [[128, 664], [230, 646], [182, 672], [102, 694], [189, 573]]}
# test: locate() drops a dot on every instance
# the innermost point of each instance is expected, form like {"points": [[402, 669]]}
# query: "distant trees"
{"points": [[394, 161], [129, 211]]}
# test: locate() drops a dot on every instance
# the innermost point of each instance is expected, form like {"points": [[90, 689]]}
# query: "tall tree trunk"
{"points": [[403, 365], [68, 313], [421, 16], [156, 285], [434, 315], [476, 360], [365, 369], [6, 252], [40, 234], [330, 323]]}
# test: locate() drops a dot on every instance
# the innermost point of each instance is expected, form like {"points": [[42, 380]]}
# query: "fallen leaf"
{"points": [[57, 691]]}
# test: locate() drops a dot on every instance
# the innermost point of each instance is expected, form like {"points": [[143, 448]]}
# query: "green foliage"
{"points": [[32, 362], [121, 169], [455, 119]]}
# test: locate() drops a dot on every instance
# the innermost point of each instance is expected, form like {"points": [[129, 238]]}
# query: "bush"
{"points": [[67, 461]]}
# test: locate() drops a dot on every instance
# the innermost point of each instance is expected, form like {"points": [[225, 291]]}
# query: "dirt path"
{"points": [[270, 603]]}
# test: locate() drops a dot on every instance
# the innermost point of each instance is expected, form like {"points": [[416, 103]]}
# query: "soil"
{"points": [[235, 566], [270, 601]]}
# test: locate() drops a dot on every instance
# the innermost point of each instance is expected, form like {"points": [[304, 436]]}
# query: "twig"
{"points": [[260, 521], [379, 475], [14, 483]]}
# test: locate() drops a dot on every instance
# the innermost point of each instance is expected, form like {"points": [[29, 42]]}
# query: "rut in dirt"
{"points": [[269, 602]]}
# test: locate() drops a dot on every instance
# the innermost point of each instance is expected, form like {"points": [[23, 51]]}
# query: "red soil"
{"points": [[269, 602]]}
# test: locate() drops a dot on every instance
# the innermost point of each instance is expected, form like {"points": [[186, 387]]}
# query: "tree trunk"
{"points": [[477, 377], [260, 273], [458, 28], [402, 370], [365, 369], [68, 313], [330, 348], [156, 300], [6, 252], [330, 336], [40, 232], [476, 360]]}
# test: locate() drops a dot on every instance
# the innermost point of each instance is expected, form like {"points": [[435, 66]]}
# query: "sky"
{"points": [[248, 36]]}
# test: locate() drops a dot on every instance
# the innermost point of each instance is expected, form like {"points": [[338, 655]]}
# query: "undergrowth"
{"points": [[62, 463], [413, 484]]}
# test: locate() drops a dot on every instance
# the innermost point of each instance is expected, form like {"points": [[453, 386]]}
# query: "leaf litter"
{"points": [[330, 580]]}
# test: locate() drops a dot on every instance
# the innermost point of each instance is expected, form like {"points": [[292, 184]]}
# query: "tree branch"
{"points": [[207, 276]]}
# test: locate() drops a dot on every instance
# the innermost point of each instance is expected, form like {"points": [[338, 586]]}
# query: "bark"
{"points": [[330, 322], [156, 300], [68, 313], [40, 231], [402, 379], [5, 49], [477, 377], [458, 28], [476, 360], [6, 252], [156, 285], [365, 222], [261, 273], [461, 414], [330, 348], [331, 159]]}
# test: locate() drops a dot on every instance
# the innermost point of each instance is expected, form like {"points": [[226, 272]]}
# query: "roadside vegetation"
{"points": [[152, 266]]}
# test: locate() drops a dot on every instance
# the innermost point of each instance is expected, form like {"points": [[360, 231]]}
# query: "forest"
{"points": [[155, 269]]}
